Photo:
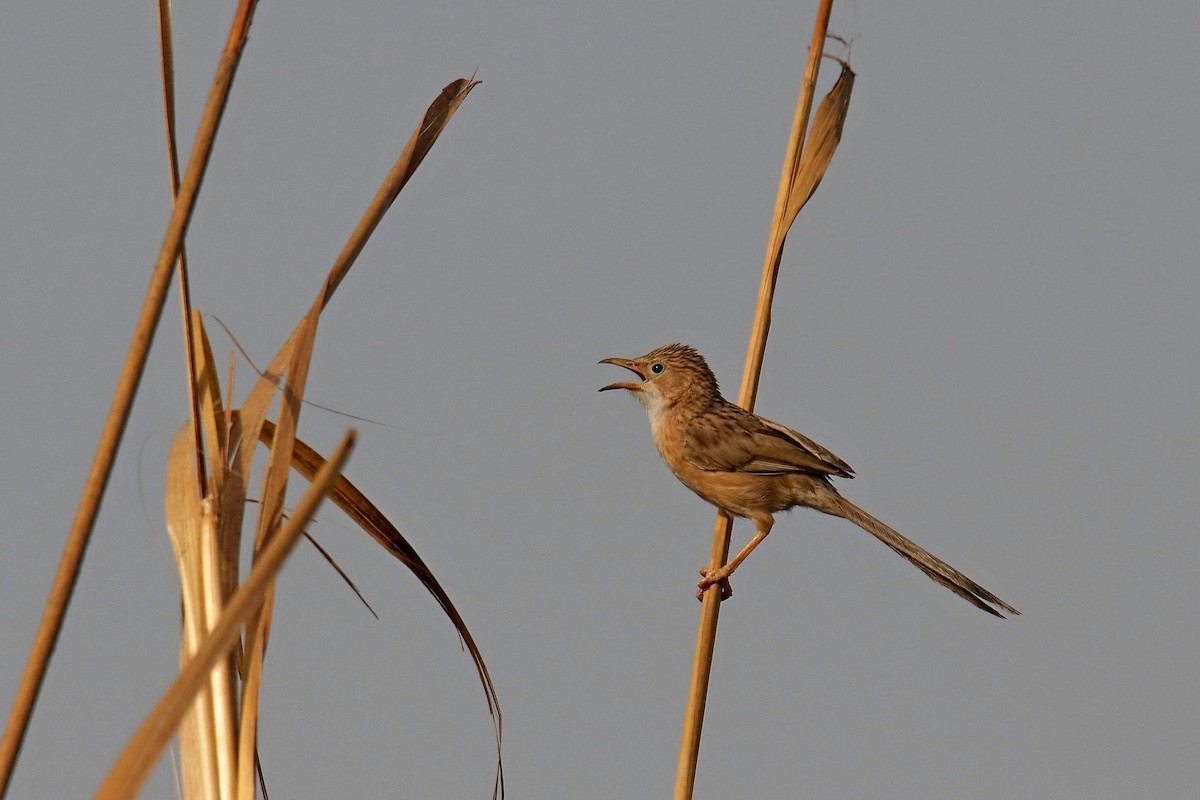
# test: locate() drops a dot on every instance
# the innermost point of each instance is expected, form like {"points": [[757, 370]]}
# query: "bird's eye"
{"points": [[657, 369]]}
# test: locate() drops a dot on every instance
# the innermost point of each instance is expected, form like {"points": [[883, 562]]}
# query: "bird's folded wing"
{"points": [[759, 446], [843, 469]]}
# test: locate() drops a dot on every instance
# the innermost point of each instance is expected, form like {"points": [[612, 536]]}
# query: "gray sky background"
{"points": [[989, 310]]}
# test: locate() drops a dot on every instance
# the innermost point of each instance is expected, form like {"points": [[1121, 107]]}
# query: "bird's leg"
{"points": [[721, 574], [726, 590]]}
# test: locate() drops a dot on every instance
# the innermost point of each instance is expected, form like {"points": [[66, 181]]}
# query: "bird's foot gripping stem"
{"points": [[711, 576]]}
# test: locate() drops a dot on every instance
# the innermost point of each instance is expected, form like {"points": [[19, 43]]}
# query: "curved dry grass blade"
{"points": [[341, 572], [823, 140], [347, 497], [133, 766], [294, 354], [114, 427]]}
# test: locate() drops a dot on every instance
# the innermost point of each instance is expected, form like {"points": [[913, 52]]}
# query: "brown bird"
{"points": [[751, 467]]}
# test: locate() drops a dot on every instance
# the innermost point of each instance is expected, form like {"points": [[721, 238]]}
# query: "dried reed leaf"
{"points": [[208, 567], [134, 764], [437, 117], [211, 405], [207, 552], [823, 140], [280, 460], [210, 728], [293, 361], [184, 511], [356, 505], [270, 517], [296, 354], [798, 179]]}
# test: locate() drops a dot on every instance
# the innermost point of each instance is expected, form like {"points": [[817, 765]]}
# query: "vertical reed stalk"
{"points": [[693, 721], [118, 415], [166, 51]]}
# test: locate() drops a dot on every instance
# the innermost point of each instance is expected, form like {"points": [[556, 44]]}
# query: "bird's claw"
{"points": [[712, 576]]}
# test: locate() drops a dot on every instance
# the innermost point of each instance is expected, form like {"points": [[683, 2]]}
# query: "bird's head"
{"points": [[667, 376]]}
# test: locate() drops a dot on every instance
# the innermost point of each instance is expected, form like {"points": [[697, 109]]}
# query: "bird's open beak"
{"points": [[627, 364]]}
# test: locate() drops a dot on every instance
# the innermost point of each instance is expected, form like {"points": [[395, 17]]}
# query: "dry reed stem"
{"points": [[193, 528], [166, 49], [114, 428], [207, 734], [135, 763], [187, 526], [689, 750]]}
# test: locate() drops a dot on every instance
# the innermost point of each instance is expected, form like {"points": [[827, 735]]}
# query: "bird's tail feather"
{"points": [[922, 559]]}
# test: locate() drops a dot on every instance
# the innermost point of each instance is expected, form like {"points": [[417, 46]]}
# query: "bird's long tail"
{"points": [[922, 559]]}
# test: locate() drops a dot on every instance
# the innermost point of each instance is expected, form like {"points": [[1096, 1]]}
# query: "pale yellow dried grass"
{"points": [[226, 622]]}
